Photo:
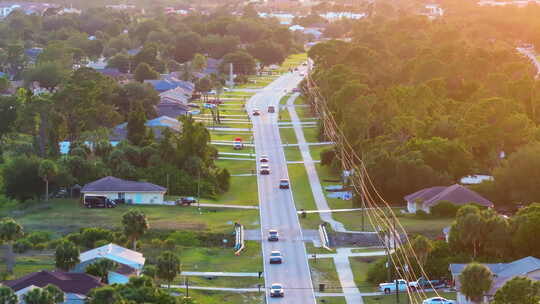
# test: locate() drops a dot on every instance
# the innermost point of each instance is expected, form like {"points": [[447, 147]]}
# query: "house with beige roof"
{"points": [[456, 194]]}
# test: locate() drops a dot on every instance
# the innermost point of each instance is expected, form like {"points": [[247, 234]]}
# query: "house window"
{"points": [[121, 195]]}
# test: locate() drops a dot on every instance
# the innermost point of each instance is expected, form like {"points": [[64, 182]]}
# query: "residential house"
{"points": [[169, 83], [74, 285], [113, 73], [171, 109], [28, 8], [457, 194], [132, 192], [157, 125], [130, 263], [33, 53], [179, 95], [503, 272]]}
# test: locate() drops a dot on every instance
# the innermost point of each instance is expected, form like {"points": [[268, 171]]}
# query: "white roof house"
{"points": [[115, 253]]}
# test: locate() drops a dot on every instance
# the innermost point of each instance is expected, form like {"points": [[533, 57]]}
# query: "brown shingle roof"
{"points": [[68, 282], [456, 194]]}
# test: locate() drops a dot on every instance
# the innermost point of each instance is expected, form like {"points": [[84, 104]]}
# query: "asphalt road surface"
{"points": [[277, 207]]}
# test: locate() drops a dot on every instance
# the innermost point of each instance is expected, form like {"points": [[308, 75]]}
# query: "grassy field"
{"points": [[243, 192], [292, 62], [287, 136], [215, 297], [391, 299], [29, 262], [316, 250], [323, 271], [360, 266], [292, 153], [311, 135], [331, 300], [370, 249], [65, 216], [227, 282]]}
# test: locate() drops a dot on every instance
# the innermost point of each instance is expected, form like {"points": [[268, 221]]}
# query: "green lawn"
{"points": [[303, 196], [316, 250], [331, 300], [283, 100], [316, 150], [367, 249], [65, 216], [292, 61], [31, 262], [287, 136], [230, 149], [218, 297], [243, 191], [431, 227], [284, 115], [311, 135], [360, 266], [220, 135], [228, 282], [391, 299], [323, 271], [292, 153]]}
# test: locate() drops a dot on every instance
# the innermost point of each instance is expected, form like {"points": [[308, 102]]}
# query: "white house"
{"points": [[131, 191], [130, 263]]}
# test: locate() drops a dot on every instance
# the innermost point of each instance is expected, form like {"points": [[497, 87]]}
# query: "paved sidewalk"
{"points": [[219, 274], [225, 206], [316, 187], [214, 288]]}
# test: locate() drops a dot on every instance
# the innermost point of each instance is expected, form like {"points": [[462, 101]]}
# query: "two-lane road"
{"points": [[277, 209]]}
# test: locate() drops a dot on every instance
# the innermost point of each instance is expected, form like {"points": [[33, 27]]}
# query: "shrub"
{"points": [[22, 245], [101, 243], [444, 209], [169, 244], [40, 246], [421, 214], [38, 237], [156, 243], [377, 272], [90, 236]]}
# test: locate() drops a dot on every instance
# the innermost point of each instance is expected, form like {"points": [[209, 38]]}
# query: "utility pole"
{"points": [[187, 287], [394, 232]]}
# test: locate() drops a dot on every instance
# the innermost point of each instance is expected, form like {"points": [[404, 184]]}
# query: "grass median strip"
{"points": [[323, 271], [213, 297], [391, 299]]}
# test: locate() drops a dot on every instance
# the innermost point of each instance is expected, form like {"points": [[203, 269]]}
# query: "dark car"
{"points": [[276, 257], [186, 201], [273, 235], [271, 109], [296, 90], [284, 183], [265, 169], [276, 290], [98, 202], [256, 112]]}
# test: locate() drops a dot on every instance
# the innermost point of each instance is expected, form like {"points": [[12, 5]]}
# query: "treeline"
{"points": [[164, 42], [425, 103]]}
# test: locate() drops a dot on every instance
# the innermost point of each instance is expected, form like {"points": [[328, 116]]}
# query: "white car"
{"points": [[437, 300]]}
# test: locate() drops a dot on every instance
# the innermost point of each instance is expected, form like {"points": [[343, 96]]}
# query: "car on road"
{"points": [[271, 109], [265, 169], [302, 74], [276, 257], [264, 159], [276, 290], [296, 90], [273, 235], [256, 112], [98, 202], [283, 183], [437, 300]]}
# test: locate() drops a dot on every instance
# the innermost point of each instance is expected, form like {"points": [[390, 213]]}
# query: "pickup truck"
{"points": [[402, 285]]}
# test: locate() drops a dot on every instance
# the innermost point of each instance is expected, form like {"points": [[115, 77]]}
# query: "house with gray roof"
{"points": [[457, 194], [132, 192], [129, 262], [157, 125], [502, 272]]}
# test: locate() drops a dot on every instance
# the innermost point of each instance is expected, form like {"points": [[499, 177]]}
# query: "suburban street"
{"points": [[277, 209]]}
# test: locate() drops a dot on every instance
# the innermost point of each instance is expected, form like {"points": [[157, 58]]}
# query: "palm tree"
{"points": [[48, 295], [47, 170], [168, 266], [135, 225], [101, 269], [10, 231], [66, 255], [476, 280], [423, 247], [7, 296]]}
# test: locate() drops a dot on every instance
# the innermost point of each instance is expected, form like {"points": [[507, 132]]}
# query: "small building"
{"points": [[457, 194], [130, 262], [503, 272], [74, 285], [171, 108], [131, 192]]}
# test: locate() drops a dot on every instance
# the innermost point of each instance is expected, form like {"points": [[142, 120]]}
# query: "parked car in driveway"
{"points": [[388, 288], [265, 169], [276, 290], [186, 201], [276, 257], [98, 202], [283, 183], [438, 300], [273, 235]]}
